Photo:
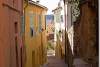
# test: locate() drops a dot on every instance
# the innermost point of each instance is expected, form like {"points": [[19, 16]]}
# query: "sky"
{"points": [[50, 4], [49, 19]]}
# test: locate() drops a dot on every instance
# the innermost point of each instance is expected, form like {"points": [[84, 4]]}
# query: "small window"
{"points": [[61, 18], [16, 27], [31, 32], [40, 24]]}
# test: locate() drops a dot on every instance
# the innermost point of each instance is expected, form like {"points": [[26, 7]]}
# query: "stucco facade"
{"points": [[35, 34], [10, 37], [59, 27]]}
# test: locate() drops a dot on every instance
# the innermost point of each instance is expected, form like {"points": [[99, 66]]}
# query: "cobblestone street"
{"points": [[78, 62], [55, 62]]}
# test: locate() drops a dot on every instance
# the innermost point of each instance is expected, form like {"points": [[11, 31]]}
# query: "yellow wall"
{"points": [[58, 48], [35, 45]]}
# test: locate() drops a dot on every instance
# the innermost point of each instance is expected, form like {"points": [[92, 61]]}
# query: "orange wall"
{"points": [[8, 15]]}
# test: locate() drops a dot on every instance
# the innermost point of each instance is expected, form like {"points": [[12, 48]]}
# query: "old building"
{"points": [[71, 11], [59, 27], [50, 27], [10, 36], [35, 34], [50, 31], [86, 32]]}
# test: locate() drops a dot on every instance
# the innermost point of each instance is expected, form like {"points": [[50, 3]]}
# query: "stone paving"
{"points": [[55, 62], [78, 62]]}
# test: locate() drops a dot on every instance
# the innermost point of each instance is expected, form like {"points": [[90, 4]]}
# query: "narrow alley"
{"points": [[53, 61], [49, 33]]}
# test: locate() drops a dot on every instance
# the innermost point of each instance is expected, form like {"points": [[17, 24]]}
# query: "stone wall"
{"points": [[85, 36]]}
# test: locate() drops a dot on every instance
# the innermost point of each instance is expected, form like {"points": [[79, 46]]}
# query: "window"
{"points": [[16, 27], [40, 25], [31, 19], [31, 31], [61, 18]]}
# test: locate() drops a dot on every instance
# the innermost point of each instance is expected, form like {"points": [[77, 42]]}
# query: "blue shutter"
{"points": [[40, 25], [31, 17], [31, 20]]}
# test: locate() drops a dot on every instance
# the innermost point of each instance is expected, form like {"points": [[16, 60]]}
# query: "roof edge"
{"points": [[37, 4]]}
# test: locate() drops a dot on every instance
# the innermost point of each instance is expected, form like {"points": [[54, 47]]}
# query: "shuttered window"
{"points": [[31, 20], [40, 24]]}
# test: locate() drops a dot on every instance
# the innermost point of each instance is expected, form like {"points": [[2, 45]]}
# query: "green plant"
{"points": [[50, 46]]}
